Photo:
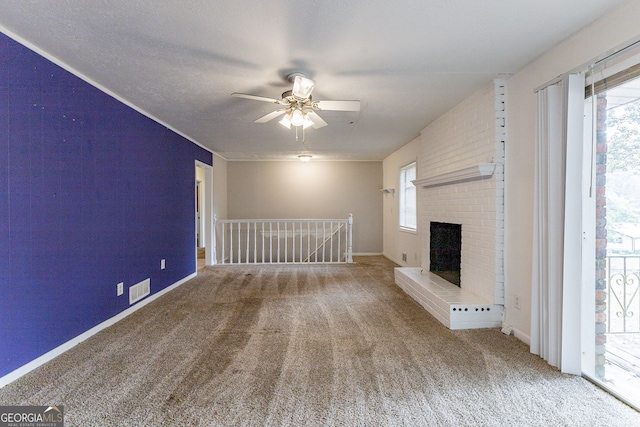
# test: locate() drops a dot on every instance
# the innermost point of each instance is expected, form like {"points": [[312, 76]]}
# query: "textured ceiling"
{"points": [[406, 61]]}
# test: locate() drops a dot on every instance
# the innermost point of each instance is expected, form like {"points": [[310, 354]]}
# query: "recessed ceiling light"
{"points": [[305, 157]]}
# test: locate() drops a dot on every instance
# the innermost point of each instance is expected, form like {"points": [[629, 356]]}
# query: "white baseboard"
{"points": [[366, 254], [522, 336], [14, 375], [400, 262], [394, 259]]}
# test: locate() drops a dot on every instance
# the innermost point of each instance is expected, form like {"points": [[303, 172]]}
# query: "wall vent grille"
{"points": [[139, 291]]}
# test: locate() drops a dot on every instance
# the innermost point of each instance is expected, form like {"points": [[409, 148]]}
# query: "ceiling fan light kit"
{"points": [[297, 117], [299, 107], [302, 87], [286, 121]]}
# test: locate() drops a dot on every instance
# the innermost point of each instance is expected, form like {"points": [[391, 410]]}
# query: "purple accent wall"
{"points": [[92, 193]]}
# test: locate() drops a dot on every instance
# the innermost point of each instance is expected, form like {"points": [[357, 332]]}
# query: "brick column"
{"points": [[601, 234]]}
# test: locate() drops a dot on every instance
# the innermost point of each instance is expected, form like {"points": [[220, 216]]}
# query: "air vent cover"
{"points": [[139, 291]]}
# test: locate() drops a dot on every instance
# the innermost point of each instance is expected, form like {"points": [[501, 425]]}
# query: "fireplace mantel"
{"points": [[477, 171]]}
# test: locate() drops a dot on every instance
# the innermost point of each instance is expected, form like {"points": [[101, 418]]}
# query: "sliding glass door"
{"points": [[611, 316]]}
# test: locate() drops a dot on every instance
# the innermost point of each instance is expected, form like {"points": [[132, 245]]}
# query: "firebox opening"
{"points": [[446, 251]]}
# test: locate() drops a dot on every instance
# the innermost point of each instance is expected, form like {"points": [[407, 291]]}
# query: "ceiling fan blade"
{"points": [[302, 87], [316, 119], [256, 98], [337, 105], [272, 115]]}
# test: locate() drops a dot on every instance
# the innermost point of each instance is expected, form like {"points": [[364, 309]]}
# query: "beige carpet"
{"points": [[306, 346]]}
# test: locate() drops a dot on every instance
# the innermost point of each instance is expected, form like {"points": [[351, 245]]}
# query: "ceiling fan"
{"points": [[298, 107]]}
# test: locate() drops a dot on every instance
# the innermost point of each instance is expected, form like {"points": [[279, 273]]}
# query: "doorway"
{"points": [[203, 214], [617, 231]]}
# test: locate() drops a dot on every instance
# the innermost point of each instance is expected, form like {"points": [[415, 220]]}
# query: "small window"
{"points": [[408, 199]]}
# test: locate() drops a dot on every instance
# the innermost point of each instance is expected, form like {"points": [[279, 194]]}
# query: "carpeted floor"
{"points": [[306, 346]]}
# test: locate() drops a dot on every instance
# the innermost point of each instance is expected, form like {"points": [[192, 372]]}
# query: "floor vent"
{"points": [[139, 291]]}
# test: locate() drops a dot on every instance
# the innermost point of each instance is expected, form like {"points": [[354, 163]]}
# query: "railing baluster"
{"points": [[278, 261], [222, 253], [609, 300], [331, 244], [231, 243], [300, 255], [324, 237], [309, 234], [623, 294], [293, 242], [340, 242], [350, 239], [246, 261]]}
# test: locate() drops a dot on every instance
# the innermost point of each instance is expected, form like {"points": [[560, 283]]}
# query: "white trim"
{"points": [[219, 155], [588, 201], [607, 387], [368, 254], [477, 171], [23, 370], [404, 187], [394, 259], [522, 336], [207, 213], [95, 84], [408, 230]]}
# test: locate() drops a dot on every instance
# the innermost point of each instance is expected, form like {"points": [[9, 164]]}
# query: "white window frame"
{"points": [[406, 189]]}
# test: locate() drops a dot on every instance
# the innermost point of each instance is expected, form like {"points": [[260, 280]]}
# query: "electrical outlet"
{"points": [[162, 264], [120, 290], [516, 301], [404, 257]]}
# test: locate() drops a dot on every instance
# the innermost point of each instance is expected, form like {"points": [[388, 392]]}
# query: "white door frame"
{"points": [[588, 302], [206, 211]]}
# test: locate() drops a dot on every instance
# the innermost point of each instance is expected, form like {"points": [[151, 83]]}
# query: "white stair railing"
{"points": [[282, 241]]}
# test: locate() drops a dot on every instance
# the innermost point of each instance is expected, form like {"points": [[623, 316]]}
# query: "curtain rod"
{"points": [[608, 55]]}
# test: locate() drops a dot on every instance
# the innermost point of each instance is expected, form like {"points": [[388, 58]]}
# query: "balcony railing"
{"points": [[623, 298], [283, 241]]}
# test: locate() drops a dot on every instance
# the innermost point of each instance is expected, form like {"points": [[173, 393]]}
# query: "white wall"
{"points": [[313, 190], [219, 187], [397, 242], [610, 31]]}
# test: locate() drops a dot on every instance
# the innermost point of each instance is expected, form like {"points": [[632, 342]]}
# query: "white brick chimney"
{"points": [[461, 181]]}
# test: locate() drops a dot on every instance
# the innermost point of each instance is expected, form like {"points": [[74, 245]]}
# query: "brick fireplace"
{"points": [[461, 181]]}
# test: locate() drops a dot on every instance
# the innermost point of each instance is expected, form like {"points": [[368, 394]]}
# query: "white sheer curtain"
{"points": [[556, 281]]}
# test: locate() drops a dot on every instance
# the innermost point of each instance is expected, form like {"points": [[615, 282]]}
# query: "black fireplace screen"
{"points": [[446, 251]]}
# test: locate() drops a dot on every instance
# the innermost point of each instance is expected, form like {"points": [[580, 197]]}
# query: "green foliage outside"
{"points": [[623, 175], [623, 139]]}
